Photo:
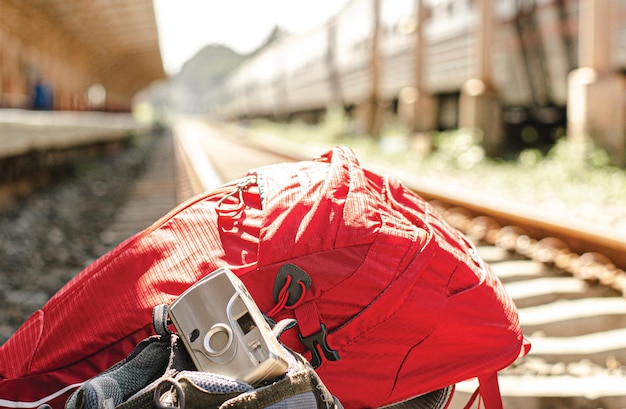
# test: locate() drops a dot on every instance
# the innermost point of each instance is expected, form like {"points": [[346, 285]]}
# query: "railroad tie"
{"points": [[152, 196]]}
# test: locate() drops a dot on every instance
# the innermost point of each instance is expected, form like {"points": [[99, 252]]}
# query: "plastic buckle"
{"points": [[319, 339]]}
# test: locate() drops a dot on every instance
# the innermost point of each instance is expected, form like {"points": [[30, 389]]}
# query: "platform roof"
{"points": [[120, 35]]}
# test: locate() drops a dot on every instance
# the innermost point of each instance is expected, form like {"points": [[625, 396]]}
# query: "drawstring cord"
{"points": [[220, 206], [283, 296]]}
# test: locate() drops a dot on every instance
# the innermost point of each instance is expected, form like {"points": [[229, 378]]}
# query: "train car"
{"points": [[352, 50], [290, 76], [308, 72], [535, 47], [252, 90], [230, 99], [261, 90], [398, 23], [450, 46]]}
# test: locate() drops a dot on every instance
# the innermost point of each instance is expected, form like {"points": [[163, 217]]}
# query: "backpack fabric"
{"points": [[390, 301]]}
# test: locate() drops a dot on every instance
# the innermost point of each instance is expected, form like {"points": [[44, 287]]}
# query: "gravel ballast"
{"points": [[51, 236]]}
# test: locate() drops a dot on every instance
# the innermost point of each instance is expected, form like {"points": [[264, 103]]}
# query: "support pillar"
{"points": [[479, 109], [479, 106], [374, 110], [596, 106], [417, 108]]}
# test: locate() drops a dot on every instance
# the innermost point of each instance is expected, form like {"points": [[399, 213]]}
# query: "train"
{"points": [[534, 48]]}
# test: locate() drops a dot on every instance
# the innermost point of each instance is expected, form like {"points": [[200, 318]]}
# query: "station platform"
{"points": [[24, 131]]}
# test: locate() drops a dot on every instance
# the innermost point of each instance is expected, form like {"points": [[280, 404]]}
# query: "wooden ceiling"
{"points": [[119, 37]]}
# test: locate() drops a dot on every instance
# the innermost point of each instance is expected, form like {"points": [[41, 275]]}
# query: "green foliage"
{"points": [[460, 149], [130, 140], [571, 174]]}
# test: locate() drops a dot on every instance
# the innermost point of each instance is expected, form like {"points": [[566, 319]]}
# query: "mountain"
{"points": [[208, 66], [193, 86]]}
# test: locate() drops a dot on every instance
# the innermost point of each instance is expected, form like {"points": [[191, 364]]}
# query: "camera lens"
{"points": [[218, 339]]}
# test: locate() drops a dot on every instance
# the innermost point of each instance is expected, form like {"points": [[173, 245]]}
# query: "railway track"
{"points": [[568, 292]]}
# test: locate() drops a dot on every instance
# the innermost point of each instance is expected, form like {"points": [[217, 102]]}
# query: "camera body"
{"points": [[225, 332]]}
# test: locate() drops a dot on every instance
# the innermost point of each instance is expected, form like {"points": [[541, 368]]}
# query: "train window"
{"points": [[441, 9]]}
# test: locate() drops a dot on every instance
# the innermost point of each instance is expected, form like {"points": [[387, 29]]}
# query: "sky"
{"points": [[186, 26]]}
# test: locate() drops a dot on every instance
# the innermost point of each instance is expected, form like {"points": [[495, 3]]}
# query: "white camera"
{"points": [[224, 330]]}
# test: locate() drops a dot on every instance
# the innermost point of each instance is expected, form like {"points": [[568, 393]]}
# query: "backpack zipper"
{"points": [[223, 210], [229, 189]]}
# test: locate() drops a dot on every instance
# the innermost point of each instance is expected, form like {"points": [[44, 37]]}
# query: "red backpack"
{"points": [[390, 301]]}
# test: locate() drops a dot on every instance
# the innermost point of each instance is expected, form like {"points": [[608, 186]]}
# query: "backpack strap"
{"points": [[488, 387], [160, 320], [488, 392]]}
